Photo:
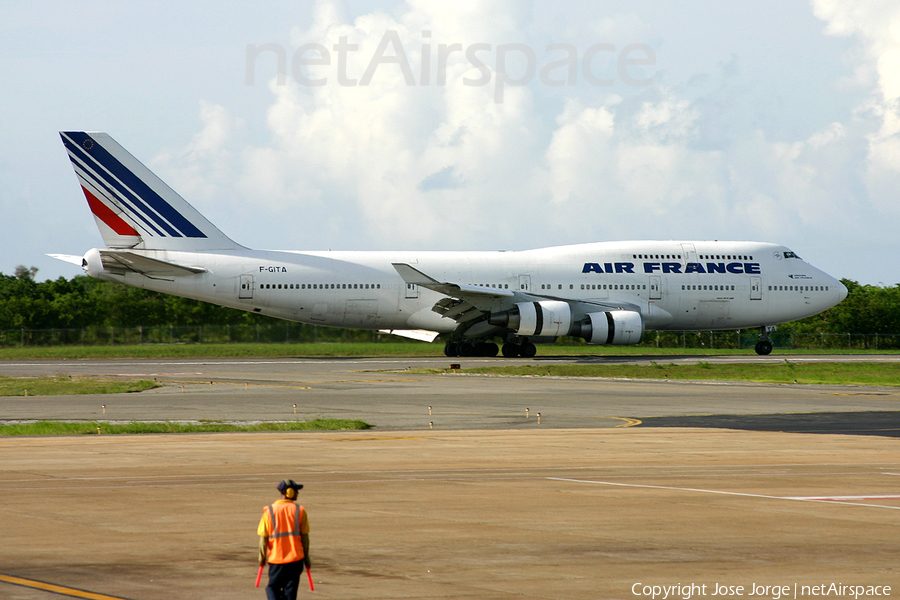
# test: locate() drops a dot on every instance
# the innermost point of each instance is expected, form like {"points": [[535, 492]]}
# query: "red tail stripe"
{"points": [[105, 214]]}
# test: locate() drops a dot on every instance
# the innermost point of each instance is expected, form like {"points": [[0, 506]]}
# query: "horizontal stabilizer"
{"points": [[119, 260], [69, 258]]}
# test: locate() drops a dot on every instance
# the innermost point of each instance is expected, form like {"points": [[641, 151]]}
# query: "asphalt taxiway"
{"points": [[385, 394], [621, 483]]}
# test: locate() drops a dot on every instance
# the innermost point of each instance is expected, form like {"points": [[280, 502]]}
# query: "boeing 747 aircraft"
{"points": [[605, 292]]}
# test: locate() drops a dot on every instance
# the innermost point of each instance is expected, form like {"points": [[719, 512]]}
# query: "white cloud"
{"points": [[876, 24], [390, 164], [370, 153], [199, 170]]}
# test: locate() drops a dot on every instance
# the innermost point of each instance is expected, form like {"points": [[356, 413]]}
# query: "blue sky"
{"points": [[774, 121]]}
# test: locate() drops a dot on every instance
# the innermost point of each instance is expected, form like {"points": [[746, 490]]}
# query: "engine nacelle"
{"points": [[553, 318], [92, 263], [548, 318], [615, 327]]}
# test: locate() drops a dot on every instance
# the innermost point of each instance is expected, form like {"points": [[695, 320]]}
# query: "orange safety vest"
{"points": [[284, 521]]}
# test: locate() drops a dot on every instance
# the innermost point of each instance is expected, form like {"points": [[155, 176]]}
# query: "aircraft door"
{"points": [[246, 291], [524, 283], [412, 290], [690, 252], [655, 287], [756, 288]]}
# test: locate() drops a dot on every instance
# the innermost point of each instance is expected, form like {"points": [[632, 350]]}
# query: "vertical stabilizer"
{"points": [[133, 207]]}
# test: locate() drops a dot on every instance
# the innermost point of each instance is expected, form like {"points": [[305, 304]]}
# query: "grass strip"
{"points": [[867, 373], [56, 386], [135, 427]]}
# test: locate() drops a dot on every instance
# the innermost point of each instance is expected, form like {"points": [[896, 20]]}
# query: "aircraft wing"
{"points": [[128, 260], [469, 302], [463, 302], [414, 276], [602, 305]]}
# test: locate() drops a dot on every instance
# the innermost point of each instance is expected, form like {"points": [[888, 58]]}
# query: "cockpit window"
{"points": [[789, 254]]}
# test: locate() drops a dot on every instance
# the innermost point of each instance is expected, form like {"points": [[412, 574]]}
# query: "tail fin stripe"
{"points": [[90, 180], [124, 180], [105, 214], [132, 206], [117, 188], [90, 170]]}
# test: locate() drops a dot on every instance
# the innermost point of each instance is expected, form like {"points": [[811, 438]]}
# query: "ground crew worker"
{"points": [[284, 542]]}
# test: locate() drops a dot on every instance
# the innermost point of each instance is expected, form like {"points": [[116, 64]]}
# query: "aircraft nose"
{"points": [[842, 291]]}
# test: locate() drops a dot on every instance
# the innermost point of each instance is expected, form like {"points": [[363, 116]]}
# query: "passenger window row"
{"points": [[701, 257], [798, 288], [612, 286], [725, 257], [713, 288]]}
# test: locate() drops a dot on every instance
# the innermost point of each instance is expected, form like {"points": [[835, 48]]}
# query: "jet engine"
{"points": [[553, 318], [548, 318], [615, 327]]}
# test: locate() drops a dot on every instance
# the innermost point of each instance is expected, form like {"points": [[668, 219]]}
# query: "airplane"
{"points": [[607, 293]]}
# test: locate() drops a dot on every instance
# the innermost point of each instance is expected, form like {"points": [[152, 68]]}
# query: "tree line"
{"points": [[83, 301]]}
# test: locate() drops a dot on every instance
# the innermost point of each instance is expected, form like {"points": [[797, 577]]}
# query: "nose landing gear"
{"points": [[764, 345]]}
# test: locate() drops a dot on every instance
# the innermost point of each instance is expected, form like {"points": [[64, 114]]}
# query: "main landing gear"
{"points": [[525, 349], [511, 349], [471, 349]]}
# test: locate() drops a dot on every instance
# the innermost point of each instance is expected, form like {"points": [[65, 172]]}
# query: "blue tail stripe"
{"points": [[141, 189], [135, 203], [98, 183]]}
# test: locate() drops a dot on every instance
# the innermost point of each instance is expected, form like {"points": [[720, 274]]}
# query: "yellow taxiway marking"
{"points": [[56, 589], [628, 422]]}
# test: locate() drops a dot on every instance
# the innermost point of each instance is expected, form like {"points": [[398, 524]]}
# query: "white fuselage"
{"points": [[677, 285]]}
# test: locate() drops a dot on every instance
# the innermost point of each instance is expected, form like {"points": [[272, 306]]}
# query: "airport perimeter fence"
{"points": [[785, 340], [275, 333], [288, 332]]}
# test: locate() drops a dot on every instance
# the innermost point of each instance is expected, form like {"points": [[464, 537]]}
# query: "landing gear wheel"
{"points": [[510, 350], [451, 349], [764, 347], [488, 349], [527, 350]]}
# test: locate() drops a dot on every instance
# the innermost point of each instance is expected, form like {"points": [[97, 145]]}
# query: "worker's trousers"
{"points": [[284, 580]]}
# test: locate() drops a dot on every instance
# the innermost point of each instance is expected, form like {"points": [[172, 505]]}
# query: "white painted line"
{"points": [[724, 493]]}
